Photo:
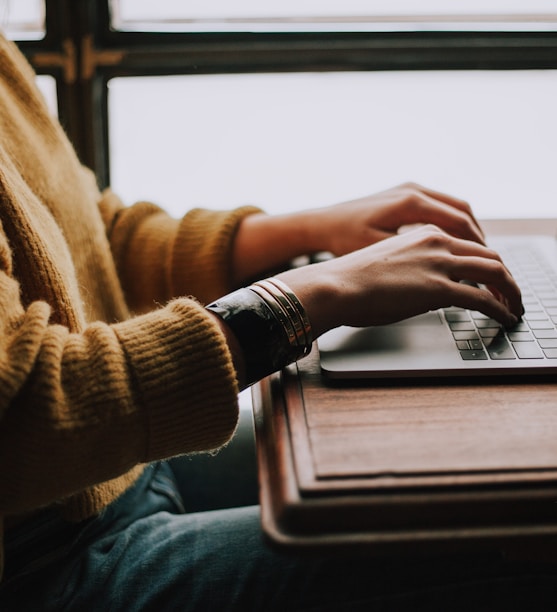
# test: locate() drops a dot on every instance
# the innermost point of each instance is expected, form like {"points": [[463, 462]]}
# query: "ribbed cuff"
{"points": [[202, 252], [182, 370]]}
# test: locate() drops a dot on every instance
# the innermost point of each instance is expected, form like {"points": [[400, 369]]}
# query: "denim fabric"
{"points": [[145, 553]]}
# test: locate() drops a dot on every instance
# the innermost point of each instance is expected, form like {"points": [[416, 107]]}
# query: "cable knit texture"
{"points": [[103, 367]]}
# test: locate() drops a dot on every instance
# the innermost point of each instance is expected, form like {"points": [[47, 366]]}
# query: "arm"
{"points": [[158, 257], [400, 277], [405, 276], [81, 406], [267, 242]]}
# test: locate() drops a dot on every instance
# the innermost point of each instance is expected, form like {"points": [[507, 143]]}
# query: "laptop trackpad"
{"points": [[423, 330], [411, 344]]}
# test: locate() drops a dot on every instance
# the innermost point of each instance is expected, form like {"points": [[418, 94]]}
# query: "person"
{"points": [[125, 338]]}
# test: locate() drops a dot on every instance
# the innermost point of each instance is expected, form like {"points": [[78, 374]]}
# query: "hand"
{"points": [[345, 227], [265, 242], [403, 276]]}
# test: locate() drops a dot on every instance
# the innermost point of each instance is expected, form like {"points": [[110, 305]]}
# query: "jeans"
{"points": [[145, 553]]}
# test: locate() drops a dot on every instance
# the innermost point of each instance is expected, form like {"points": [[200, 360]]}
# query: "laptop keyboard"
{"points": [[478, 337]]}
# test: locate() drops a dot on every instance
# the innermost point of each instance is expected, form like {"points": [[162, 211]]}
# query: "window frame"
{"points": [[82, 52]]}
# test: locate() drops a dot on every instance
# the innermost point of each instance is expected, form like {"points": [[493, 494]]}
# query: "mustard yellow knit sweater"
{"points": [[101, 369]]}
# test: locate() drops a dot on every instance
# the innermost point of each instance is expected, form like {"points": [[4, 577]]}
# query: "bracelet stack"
{"points": [[269, 323]]}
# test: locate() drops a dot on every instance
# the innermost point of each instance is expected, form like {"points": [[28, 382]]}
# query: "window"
{"points": [[24, 19], [287, 141], [47, 85], [331, 15], [304, 102]]}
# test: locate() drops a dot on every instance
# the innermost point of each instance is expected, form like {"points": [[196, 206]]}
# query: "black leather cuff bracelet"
{"points": [[270, 333]]}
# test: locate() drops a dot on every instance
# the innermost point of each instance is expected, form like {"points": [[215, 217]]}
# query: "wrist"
{"points": [[267, 327], [319, 290], [267, 243]]}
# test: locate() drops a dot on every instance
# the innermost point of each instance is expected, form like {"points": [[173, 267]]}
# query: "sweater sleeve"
{"points": [[195, 252], [77, 409]]}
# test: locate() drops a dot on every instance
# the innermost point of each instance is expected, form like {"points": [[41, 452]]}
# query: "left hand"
{"points": [[346, 227]]}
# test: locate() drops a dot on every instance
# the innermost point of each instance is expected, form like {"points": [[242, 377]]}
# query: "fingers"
{"points": [[452, 260], [458, 203], [484, 266], [407, 275], [451, 214], [482, 300], [447, 199]]}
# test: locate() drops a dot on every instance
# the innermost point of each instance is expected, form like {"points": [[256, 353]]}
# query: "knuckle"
{"points": [[466, 207], [464, 219], [411, 195], [434, 238], [497, 267]]}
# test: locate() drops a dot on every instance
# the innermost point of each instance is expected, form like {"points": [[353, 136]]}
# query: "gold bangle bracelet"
{"points": [[297, 305], [286, 307]]}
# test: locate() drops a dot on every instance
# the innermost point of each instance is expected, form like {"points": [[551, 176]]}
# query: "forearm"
{"points": [[266, 243], [159, 257]]}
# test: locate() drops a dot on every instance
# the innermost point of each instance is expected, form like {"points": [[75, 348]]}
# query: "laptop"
{"points": [[453, 342]]}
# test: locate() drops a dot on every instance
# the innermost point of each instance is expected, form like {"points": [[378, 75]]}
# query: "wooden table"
{"points": [[389, 467]]}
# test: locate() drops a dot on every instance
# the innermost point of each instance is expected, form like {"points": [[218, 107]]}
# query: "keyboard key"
{"points": [[548, 342], [476, 344], [486, 323], [472, 355], [462, 326], [490, 332], [535, 316], [528, 350], [499, 348], [545, 333], [457, 315], [520, 336], [546, 295], [550, 353], [529, 299], [547, 324], [465, 335], [462, 345], [533, 308]]}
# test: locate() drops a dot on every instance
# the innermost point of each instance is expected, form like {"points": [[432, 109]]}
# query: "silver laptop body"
{"points": [[453, 342]]}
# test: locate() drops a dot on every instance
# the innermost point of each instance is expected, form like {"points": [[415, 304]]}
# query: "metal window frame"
{"points": [[83, 53]]}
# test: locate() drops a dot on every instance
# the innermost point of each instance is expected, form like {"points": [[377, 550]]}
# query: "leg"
{"points": [[144, 555]]}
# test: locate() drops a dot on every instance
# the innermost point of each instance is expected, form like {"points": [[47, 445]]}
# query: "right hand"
{"points": [[404, 276]]}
